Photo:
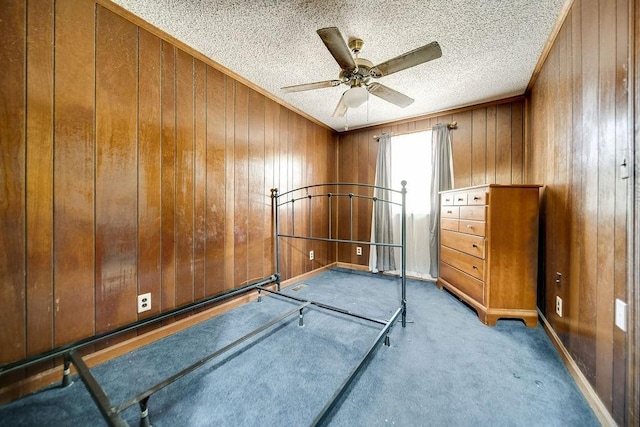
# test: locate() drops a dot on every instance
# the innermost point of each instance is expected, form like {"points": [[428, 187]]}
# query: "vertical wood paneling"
{"points": [[461, 148], [200, 179], [574, 341], [478, 146], [215, 266], [285, 158], [298, 151], [517, 143], [491, 144], [348, 167], [503, 144], [241, 184], [256, 174], [308, 173], [270, 173], [137, 169], [39, 215], [606, 200], [580, 126], [149, 169], [185, 152], [12, 181], [589, 164], [362, 227], [230, 182], [168, 87], [116, 174], [623, 137], [74, 165]]}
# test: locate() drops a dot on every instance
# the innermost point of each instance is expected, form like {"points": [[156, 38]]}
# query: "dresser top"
{"points": [[477, 187]]}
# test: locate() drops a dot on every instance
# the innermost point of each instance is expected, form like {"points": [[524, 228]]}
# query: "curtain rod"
{"points": [[452, 125]]}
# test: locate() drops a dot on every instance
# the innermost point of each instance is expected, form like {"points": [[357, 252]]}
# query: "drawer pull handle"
{"points": [[475, 268], [476, 198], [449, 211], [469, 226], [460, 199], [474, 245]]}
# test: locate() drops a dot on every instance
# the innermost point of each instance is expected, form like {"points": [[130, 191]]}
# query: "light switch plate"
{"points": [[621, 315]]}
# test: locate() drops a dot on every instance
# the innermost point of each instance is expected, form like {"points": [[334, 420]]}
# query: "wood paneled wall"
{"points": [[128, 165], [580, 129], [488, 147]]}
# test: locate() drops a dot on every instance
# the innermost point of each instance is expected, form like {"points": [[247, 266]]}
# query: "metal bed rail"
{"points": [[66, 349], [325, 413], [111, 413]]}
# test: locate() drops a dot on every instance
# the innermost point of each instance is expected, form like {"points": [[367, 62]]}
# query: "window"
{"points": [[411, 161]]}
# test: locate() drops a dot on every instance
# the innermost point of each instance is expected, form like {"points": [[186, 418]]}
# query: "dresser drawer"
{"points": [[467, 243], [467, 263], [475, 213], [467, 284], [477, 197], [472, 227], [450, 212], [460, 199], [446, 199], [449, 224]]}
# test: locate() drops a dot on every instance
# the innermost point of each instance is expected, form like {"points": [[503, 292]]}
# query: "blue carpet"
{"points": [[444, 368]]}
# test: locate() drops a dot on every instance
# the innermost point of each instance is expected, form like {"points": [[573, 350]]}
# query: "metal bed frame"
{"points": [[111, 412], [308, 193]]}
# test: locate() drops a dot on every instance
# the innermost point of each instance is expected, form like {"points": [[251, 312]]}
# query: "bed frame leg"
{"points": [[259, 295], [404, 313], [144, 413], [387, 340], [66, 372], [300, 319]]}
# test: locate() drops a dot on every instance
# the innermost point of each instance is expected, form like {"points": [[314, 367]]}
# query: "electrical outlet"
{"points": [[621, 314], [310, 255], [144, 302], [559, 279], [559, 306], [359, 250]]}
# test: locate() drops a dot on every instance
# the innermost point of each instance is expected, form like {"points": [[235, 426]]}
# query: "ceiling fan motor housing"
{"points": [[359, 75]]}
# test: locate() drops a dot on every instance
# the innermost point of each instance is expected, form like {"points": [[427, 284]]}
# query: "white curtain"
{"points": [[410, 160], [441, 180], [381, 258]]}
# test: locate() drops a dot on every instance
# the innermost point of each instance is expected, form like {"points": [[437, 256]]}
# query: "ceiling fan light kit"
{"points": [[355, 97], [357, 72]]}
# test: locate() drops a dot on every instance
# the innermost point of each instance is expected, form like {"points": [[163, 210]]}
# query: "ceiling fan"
{"points": [[357, 72]]}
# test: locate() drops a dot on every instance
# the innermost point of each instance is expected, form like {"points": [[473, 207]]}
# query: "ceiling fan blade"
{"points": [[407, 60], [341, 108], [389, 95], [310, 86], [337, 47]]}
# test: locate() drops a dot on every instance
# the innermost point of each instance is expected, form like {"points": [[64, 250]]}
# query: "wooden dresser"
{"points": [[489, 249]]}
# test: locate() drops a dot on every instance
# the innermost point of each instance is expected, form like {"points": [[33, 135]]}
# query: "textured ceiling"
{"points": [[489, 47]]}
